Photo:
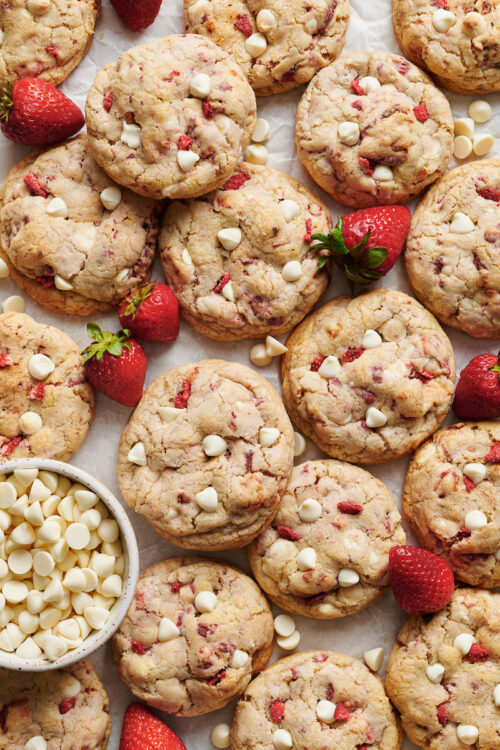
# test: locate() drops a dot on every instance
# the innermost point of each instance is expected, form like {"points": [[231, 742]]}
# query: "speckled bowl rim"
{"points": [[130, 575]]}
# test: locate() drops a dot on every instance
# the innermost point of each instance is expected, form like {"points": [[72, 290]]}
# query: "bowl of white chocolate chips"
{"points": [[68, 564]]}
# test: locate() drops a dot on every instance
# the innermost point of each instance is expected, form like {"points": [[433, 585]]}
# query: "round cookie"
{"points": [[444, 689], [207, 454], [373, 129], [453, 249], [239, 293], [462, 51], [368, 379], [326, 553], [285, 698], [294, 40], [44, 39], [59, 404], [68, 707], [194, 635], [439, 495], [85, 258], [171, 118]]}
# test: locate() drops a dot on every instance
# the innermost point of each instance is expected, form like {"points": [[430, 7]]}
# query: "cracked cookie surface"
{"points": [[286, 695], [439, 495], [466, 57], [431, 712], [335, 387], [400, 130], [143, 121], [301, 38], [44, 39], [209, 657], [245, 481], [68, 707], [63, 401], [453, 266], [260, 301], [357, 524], [87, 258]]}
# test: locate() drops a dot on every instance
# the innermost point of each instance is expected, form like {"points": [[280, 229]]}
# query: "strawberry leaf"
{"points": [[375, 256], [105, 341], [6, 103]]}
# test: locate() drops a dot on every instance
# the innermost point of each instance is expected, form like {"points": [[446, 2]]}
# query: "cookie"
{"points": [[444, 674], [44, 39], [195, 633], [451, 499], [372, 129], [279, 46], [207, 454], [453, 249], [315, 699], [326, 553], [73, 240], [171, 118], [46, 403], [370, 378], [227, 255], [68, 708], [457, 41]]}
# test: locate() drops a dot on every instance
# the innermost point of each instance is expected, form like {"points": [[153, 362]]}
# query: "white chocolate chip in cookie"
{"points": [[349, 133], [259, 356], [187, 159], [30, 422], [443, 20], [111, 197], [228, 292], [282, 739], [186, 257], [347, 578], [435, 673], [266, 20], [475, 520], [274, 348], [205, 601], [169, 413], [168, 630], [311, 26], [214, 445], [200, 86], [464, 126], [207, 499], [375, 418], [261, 131], [2, 37], [325, 711], [310, 510], [268, 436], [374, 658], [306, 559], [383, 173], [480, 111], [131, 135], [467, 733], [496, 695], [482, 144], [57, 207], [461, 224], [290, 209], [369, 84], [229, 238], [474, 24], [462, 147], [256, 154], [239, 659], [330, 367], [464, 643], [62, 284], [137, 455], [292, 271], [256, 45], [371, 339], [36, 743], [476, 472], [40, 366]]}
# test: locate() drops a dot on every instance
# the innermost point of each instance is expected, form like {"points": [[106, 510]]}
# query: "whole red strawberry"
{"points": [[115, 364], [35, 113], [137, 14], [477, 395], [151, 312], [365, 244], [421, 581], [142, 730]]}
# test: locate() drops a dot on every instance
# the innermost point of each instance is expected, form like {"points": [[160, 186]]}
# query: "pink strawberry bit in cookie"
{"points": [[222, 282], [477, 653], [32, 183], [367, 165], [285, 532], [243, 24], [307, 236], [350, 509], [357, 88], [421, 113], [45, 281], [320, 658], [208, 110], [108, 101], [182, 398], [184, 143], [351, 354], [461, 534], [51, 50], [469, 484], [138, 647], [316, 363], [277, 711], [236, 181], [5, 360], [341, 712], [66, 705], [37, 393], [493, 456], [172, 75], [490, 195], [9, 446], [442, 713]]}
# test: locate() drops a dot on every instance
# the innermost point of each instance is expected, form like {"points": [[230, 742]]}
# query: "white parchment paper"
{"points": [[370, 28]]}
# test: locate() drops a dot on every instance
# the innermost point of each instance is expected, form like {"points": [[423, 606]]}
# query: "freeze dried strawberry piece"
{"points": [[32, 183], [351, 354], [9, 446], [357, 104], [477, 653], [277, 711], [316, 363], [175, 587], [45, 281], [469, 484], [315, 599], [320, 658], [367, 166], [421, 113], [424, 375], [208, 110], [341, 712], [108, 101], [243, 24], [66, 705], [51, 50], [285, 532], [172, 75], [183, 499], [309, 226], [236, 181], [461, 534], [490, 195], [439, 3], [493, 457], [184, 143], [351, 509], [138, 647], [37, 392], [5, 360], [182, 398], [217, 678], [222, 282], [441, 714], [357, 88]]}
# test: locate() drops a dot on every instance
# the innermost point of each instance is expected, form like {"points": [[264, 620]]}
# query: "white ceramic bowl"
{"points": [[130, 575]]}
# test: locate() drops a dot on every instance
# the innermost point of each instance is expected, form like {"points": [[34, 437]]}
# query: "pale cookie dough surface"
{"points": [[35, 703], [192, 673], [465, 694], [438, 495], [390, 135], [456, 275], [466, 58], [45, 39], [64, 400], [264, 303], [299, 682], [101, 253], [230, 401], [409, 376], [358, 526], [149, 87], [301, 39]]}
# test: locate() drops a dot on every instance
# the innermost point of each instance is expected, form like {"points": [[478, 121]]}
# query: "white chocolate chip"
{"points": [[91, 518], [40, 366], [4, 268], [37, 742], [274, 348], [435, 673], [256, 154], [284, 625], [108, 530], [229, 238], [43, 563], [475, 520], [168, 630], [290, 209], [265, 20], [383, 173], [169, 413], [200, 86], [20, 562], [476, 472], [62, 284], [311, 26], [34, 602], [30, 422], [496, 695], [256, 44], [49, 532], [220, 736], [463, 643], [122, 275], [467, 733], [57, 207], [186, 258], [299, 444], [374, 658], [347, 578], [282, 739], [86, 499], [23, 534], [8, 495], [112, 586], [369, 84], [259, 356], [39, 492], [96, 617], [111, 198], [290, 642], [14, 303], [205, 601], [310, 510], [306, 559], [131, 135], [102, 564], [268, 436], [443, 20], [34, 514], [292, 271], [261, 131], [137, 455], [25, 476], [371, 339], [14, 591], [375, 418], [70, 686], [207, 499], [214, 445], [77, 536], [75, 581], [462, 147], [29, 650], [482, 144], [464, 126], [480, 111], [239, 659], [187, 159], [228, 292], [349, 133], [325, 711]]}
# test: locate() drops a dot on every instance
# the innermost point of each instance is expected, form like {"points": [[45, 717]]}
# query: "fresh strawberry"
{"points": [[151, 312], [115, 364], [477, 395], [142, 730], [137, 14], [421, 581], [35, 113], [365, 244]]}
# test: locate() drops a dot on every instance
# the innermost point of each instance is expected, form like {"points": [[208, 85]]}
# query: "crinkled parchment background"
{"points": [[370, 28]]}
